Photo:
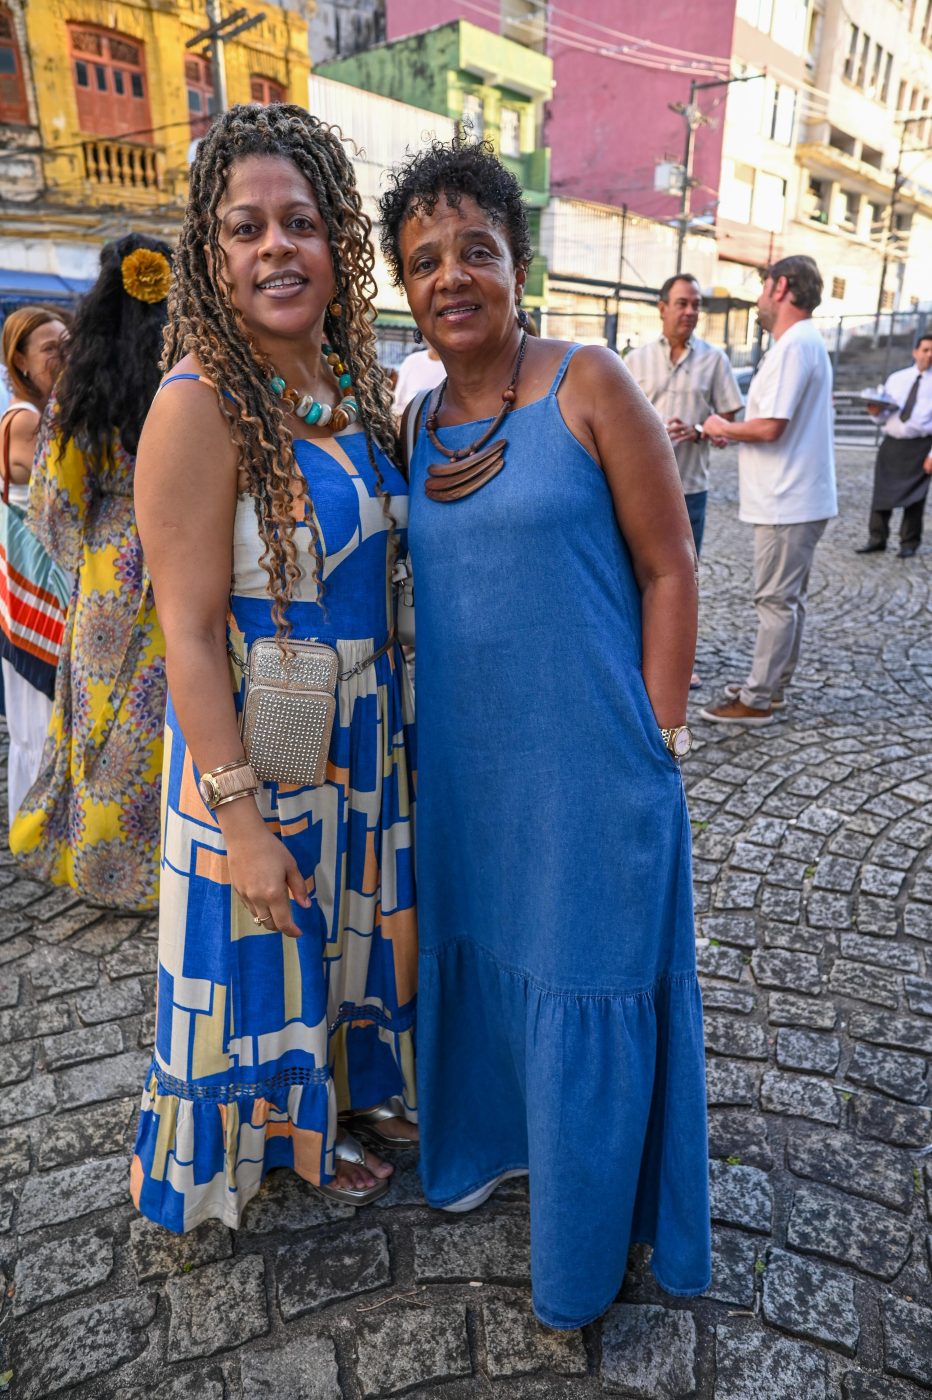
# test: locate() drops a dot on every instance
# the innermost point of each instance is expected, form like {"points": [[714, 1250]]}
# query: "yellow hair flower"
{"points": [[147, 275]]}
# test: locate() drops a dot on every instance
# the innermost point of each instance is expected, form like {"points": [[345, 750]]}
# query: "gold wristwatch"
{"points": [[227, 783], [678, 740]]}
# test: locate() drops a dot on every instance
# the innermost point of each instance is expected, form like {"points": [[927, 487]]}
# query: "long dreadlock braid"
{"points": [[203, 321]]}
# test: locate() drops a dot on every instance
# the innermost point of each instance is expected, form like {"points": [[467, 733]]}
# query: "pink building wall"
{"points": [[609, 124]]}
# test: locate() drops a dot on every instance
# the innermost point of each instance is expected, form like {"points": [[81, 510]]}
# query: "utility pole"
{"points": [[694, 119], [218, 31], [899, 181]]}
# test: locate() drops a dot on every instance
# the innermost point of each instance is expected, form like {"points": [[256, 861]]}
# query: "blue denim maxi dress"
{"points": [[560, 1019]]}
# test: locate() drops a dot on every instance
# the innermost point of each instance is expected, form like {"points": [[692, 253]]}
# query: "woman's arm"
{"points": [[23, 428], [185, 508], [606, 411]]}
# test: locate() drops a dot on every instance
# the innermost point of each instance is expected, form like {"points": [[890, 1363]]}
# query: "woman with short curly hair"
{"points": [[91, 820], [560, 1022], [271, 512]]}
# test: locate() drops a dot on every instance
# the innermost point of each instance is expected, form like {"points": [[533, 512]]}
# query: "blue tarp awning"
{"points": [[16, 287]]}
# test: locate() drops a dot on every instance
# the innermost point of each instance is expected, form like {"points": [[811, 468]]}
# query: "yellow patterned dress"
{"points": [[91, 820]]}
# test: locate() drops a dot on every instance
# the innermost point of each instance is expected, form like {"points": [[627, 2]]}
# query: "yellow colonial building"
{"points": [[100, 102]]}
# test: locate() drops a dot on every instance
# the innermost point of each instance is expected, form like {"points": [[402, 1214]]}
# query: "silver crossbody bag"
{"points": [[289, 703]]}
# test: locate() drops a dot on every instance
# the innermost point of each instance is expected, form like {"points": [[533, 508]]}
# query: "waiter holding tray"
{"points": [[904, 461]]}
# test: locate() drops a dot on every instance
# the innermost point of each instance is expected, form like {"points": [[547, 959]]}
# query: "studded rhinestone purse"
{"points": [[289, 703]]}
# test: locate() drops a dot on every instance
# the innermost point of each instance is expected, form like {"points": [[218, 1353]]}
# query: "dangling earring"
{"points": [[335, 308], [418, 338], [522, 318]]}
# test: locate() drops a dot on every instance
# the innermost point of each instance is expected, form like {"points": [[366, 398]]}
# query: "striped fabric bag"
{"points": [[34, 592]]}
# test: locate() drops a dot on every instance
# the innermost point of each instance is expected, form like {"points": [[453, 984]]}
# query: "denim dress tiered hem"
{"points": [[560, 1018]]}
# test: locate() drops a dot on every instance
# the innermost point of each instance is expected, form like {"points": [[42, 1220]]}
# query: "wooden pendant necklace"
{"points": [[473, 466]]}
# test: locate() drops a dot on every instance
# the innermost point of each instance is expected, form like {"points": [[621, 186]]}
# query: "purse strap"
{"points": [[409, 428]]}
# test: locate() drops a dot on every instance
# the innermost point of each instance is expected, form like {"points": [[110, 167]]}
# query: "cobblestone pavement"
{"points": [[814, 893]]}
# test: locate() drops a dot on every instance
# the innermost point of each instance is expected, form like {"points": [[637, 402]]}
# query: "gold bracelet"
{"points": [[226, 783], [235, 797]]}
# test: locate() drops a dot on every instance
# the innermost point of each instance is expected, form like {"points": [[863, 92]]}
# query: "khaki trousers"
{"points": [[783, 557]]}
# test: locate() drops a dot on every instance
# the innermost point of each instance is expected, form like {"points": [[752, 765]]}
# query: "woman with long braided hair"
{"points": [[287, 938]]}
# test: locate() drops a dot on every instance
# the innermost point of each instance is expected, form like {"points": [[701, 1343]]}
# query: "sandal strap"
{"points": [[350, 1149], [391, 1108]]}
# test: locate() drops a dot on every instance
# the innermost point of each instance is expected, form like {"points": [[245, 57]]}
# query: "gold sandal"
{"points": [[365, 1123], [348, 1149]]}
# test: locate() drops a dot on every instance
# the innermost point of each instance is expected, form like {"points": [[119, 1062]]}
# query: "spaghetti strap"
{"points": [[201, 379], [558, 377]]}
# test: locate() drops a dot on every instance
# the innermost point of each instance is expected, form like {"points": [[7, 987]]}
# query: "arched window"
{"points": [[266, 90], [14, 107], [199, 82], [109, 73]]}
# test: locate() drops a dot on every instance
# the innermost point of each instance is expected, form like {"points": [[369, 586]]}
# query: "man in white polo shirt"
{"points": [[786, 468]]}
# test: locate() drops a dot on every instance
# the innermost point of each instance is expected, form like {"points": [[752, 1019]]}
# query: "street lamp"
{"points": [[899, 180], [694, 119]]}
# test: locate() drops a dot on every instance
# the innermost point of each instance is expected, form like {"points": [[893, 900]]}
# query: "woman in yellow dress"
{"points": [[91, 820]]}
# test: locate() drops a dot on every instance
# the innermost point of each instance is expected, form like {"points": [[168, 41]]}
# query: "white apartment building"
{"points": [[812, 148]]}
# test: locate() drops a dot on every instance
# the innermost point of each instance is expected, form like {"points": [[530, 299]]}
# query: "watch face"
{"points": [[682, 742]]}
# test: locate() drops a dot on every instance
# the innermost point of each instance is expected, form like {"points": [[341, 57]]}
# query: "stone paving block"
{"points": [[766, 831], [285, 1202], [876, 879], [795, 938], [405, 1185], [12, 925], [811, 1301], [907, 1340], [751, 1364], [14, 950], [16, 1062], [67, 1137], [865, 983], [882, 952], [47, 1272], [157, 1253], [402, 1347], [865, 1169], [794, 972], [740, 1195], [894, 855], [298, 1368], [8, 1198], [720, 962], [105, 1079], [64, 926], [111, 1001], [327, 1267], [741, 1135], [85, 1343], [800, 1096], [828, 910], [729, 1083], [29, 1100], [517, 1345], [898, 1032], [861, 1385], [496, 1248], [808, 1051], [876, 916], [918, 995], [780, 904], [76, 1047], [894, 1073], [218, 1306], [900, 1124], [9, 989], [104, 937], [835, 873], [14, 1153], [724, 1035], [71, 1192], [734, 1257], [737, 929], [739, 999], [917, 922], [194, 1385], [849, 1231], [56, 971], [785, 1009], [135, 956], [649, 1351], [26, 1022]]}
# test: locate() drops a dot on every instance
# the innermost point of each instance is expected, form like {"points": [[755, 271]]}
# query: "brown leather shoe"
{"points": [[734, 688], [734, 712]]}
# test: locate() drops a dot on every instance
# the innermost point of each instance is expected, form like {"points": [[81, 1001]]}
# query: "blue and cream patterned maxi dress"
{"points": [[262, 1039]]}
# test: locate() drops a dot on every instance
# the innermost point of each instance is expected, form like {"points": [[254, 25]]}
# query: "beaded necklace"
{"points": [[473, 466], [322, 415]]}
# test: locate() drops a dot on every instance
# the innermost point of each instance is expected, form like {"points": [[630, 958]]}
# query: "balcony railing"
{"points": [[121, 165]]}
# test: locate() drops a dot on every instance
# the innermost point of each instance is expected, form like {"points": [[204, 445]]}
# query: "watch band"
{"points": [[228, 783]]}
